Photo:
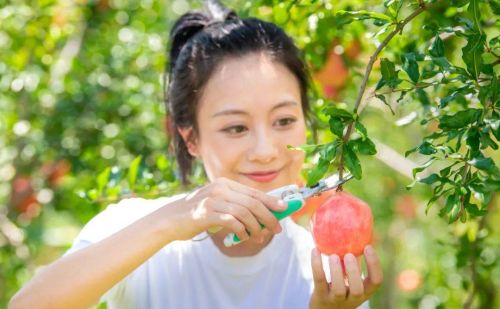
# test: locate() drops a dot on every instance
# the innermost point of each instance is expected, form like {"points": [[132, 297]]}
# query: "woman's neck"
{"points": [[246, 248]]}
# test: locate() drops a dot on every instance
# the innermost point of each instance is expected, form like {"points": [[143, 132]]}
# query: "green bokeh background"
{"points": [[81, 92]]}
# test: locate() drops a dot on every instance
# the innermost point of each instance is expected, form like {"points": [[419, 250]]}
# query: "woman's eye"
{"points": [[235, 129], [283, 122]]}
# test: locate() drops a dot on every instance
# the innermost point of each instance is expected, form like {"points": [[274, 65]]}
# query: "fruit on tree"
{"points": [[343, 224]]}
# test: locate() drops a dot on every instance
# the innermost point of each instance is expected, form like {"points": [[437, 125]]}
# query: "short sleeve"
{"points": [[111, 220]]}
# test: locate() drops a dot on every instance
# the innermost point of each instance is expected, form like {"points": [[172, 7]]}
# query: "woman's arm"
{"points": [[79, 279]]}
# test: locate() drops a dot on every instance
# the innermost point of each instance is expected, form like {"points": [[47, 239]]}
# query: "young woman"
{"points": [[237, 97]]}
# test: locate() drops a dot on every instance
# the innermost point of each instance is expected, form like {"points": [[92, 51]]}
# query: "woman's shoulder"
{"points": [[118, 215]]}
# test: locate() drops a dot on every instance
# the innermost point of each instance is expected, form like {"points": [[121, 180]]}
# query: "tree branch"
{"points": [[473, 266], [373, 58]]}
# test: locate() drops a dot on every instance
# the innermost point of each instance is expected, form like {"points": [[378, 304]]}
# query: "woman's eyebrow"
{"points": [[241, 112]]}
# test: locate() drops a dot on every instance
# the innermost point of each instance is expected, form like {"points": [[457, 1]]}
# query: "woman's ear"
{"points": [[190, 140]]}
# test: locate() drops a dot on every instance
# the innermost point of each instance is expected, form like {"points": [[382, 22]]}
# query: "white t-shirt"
{"points": [[196, 274]]}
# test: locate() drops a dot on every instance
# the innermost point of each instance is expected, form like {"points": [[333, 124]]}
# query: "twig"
{"points": [[470, 298], [373, 58]]}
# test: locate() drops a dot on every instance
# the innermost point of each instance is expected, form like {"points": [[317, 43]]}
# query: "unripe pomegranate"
{"points": [[341, 225]]}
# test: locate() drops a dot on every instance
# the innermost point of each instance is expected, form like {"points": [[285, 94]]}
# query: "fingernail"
{"points": [[277, 229], [349, 258], [281, 204], [335, 259], [369, 250]]}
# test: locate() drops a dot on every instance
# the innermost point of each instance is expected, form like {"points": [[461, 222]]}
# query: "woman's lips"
{"points": [[263, 176]]}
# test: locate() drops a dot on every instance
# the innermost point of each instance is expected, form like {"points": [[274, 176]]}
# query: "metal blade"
{"points": [[326, 184]]}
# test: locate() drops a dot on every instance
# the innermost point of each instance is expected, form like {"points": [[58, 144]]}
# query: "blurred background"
{"points": [[82, 124]]}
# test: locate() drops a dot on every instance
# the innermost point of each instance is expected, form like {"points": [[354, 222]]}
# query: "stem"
{"points": [[473, 267], [464, 180], [373, 58], [418, 86]]}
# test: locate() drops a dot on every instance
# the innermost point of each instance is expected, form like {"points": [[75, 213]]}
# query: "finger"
{"points": [[258, 209], [320, 283], [243, 215], [356, 288], [375, 274], [269, 201], [338, 288], [231, 223]]}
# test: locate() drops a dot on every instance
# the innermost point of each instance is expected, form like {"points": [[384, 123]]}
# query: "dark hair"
{"points": [[199, 42]]}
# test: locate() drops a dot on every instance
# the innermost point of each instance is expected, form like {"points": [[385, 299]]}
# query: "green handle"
{"points": [[293, 206]]}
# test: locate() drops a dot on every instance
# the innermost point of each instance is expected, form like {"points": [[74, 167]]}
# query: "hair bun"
{"points": [[185, 28], [189, 24]]}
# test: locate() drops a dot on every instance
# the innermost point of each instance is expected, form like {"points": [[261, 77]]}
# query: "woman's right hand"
{"points": [[228, 204]]}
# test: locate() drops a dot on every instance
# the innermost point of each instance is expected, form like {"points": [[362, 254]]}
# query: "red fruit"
{"points": [[343, 224], [333, 76], [409, 280]]}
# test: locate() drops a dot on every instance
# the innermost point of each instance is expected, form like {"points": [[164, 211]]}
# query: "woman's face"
{"points": [[249, 111]]}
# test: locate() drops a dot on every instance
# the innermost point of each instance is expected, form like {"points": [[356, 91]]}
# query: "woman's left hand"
{"points": [[340, 293]]}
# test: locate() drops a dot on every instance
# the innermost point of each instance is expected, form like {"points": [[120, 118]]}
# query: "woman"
{"points": [[237, 98]]}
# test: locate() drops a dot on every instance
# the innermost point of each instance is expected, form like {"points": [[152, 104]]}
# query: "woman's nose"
{"points": [[264, 148]]}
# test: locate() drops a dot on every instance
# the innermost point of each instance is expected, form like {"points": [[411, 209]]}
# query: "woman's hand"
{"points": [[340, 293], [228, 204]]}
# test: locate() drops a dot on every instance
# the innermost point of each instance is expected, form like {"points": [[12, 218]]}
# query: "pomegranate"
{"points": [[341, 225]]}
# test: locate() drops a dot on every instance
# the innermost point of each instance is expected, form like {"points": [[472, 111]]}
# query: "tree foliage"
{"points": [[83, 125]]}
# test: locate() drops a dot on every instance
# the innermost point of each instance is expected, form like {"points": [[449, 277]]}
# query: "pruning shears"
{"points": [[295, 198]]}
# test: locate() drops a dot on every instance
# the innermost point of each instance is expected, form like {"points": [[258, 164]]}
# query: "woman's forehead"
{"points": [[250, 81]]}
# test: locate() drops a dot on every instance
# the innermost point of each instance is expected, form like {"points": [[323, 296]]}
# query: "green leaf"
{"points": [[485, 164], [474, 211], [426, 148], [487, 141], [432, 178], [162, 163], [308, 149], [364, 146], [382, 98], [381, 83], [133, 171], [329, 151], [442, 63], [314, 175], [453, 214], [408, 152], [401, 97], [437, 48], [102, 180], [430, 202], [423, 166], [459, 119], [472, 139], [451, 207], [352, 161], [473, 10], [471, 54], [360, 128], [336, 126], [446, 171], [423, 98], [389, 74], [333, 111], [349, 16], [410, 66]]}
